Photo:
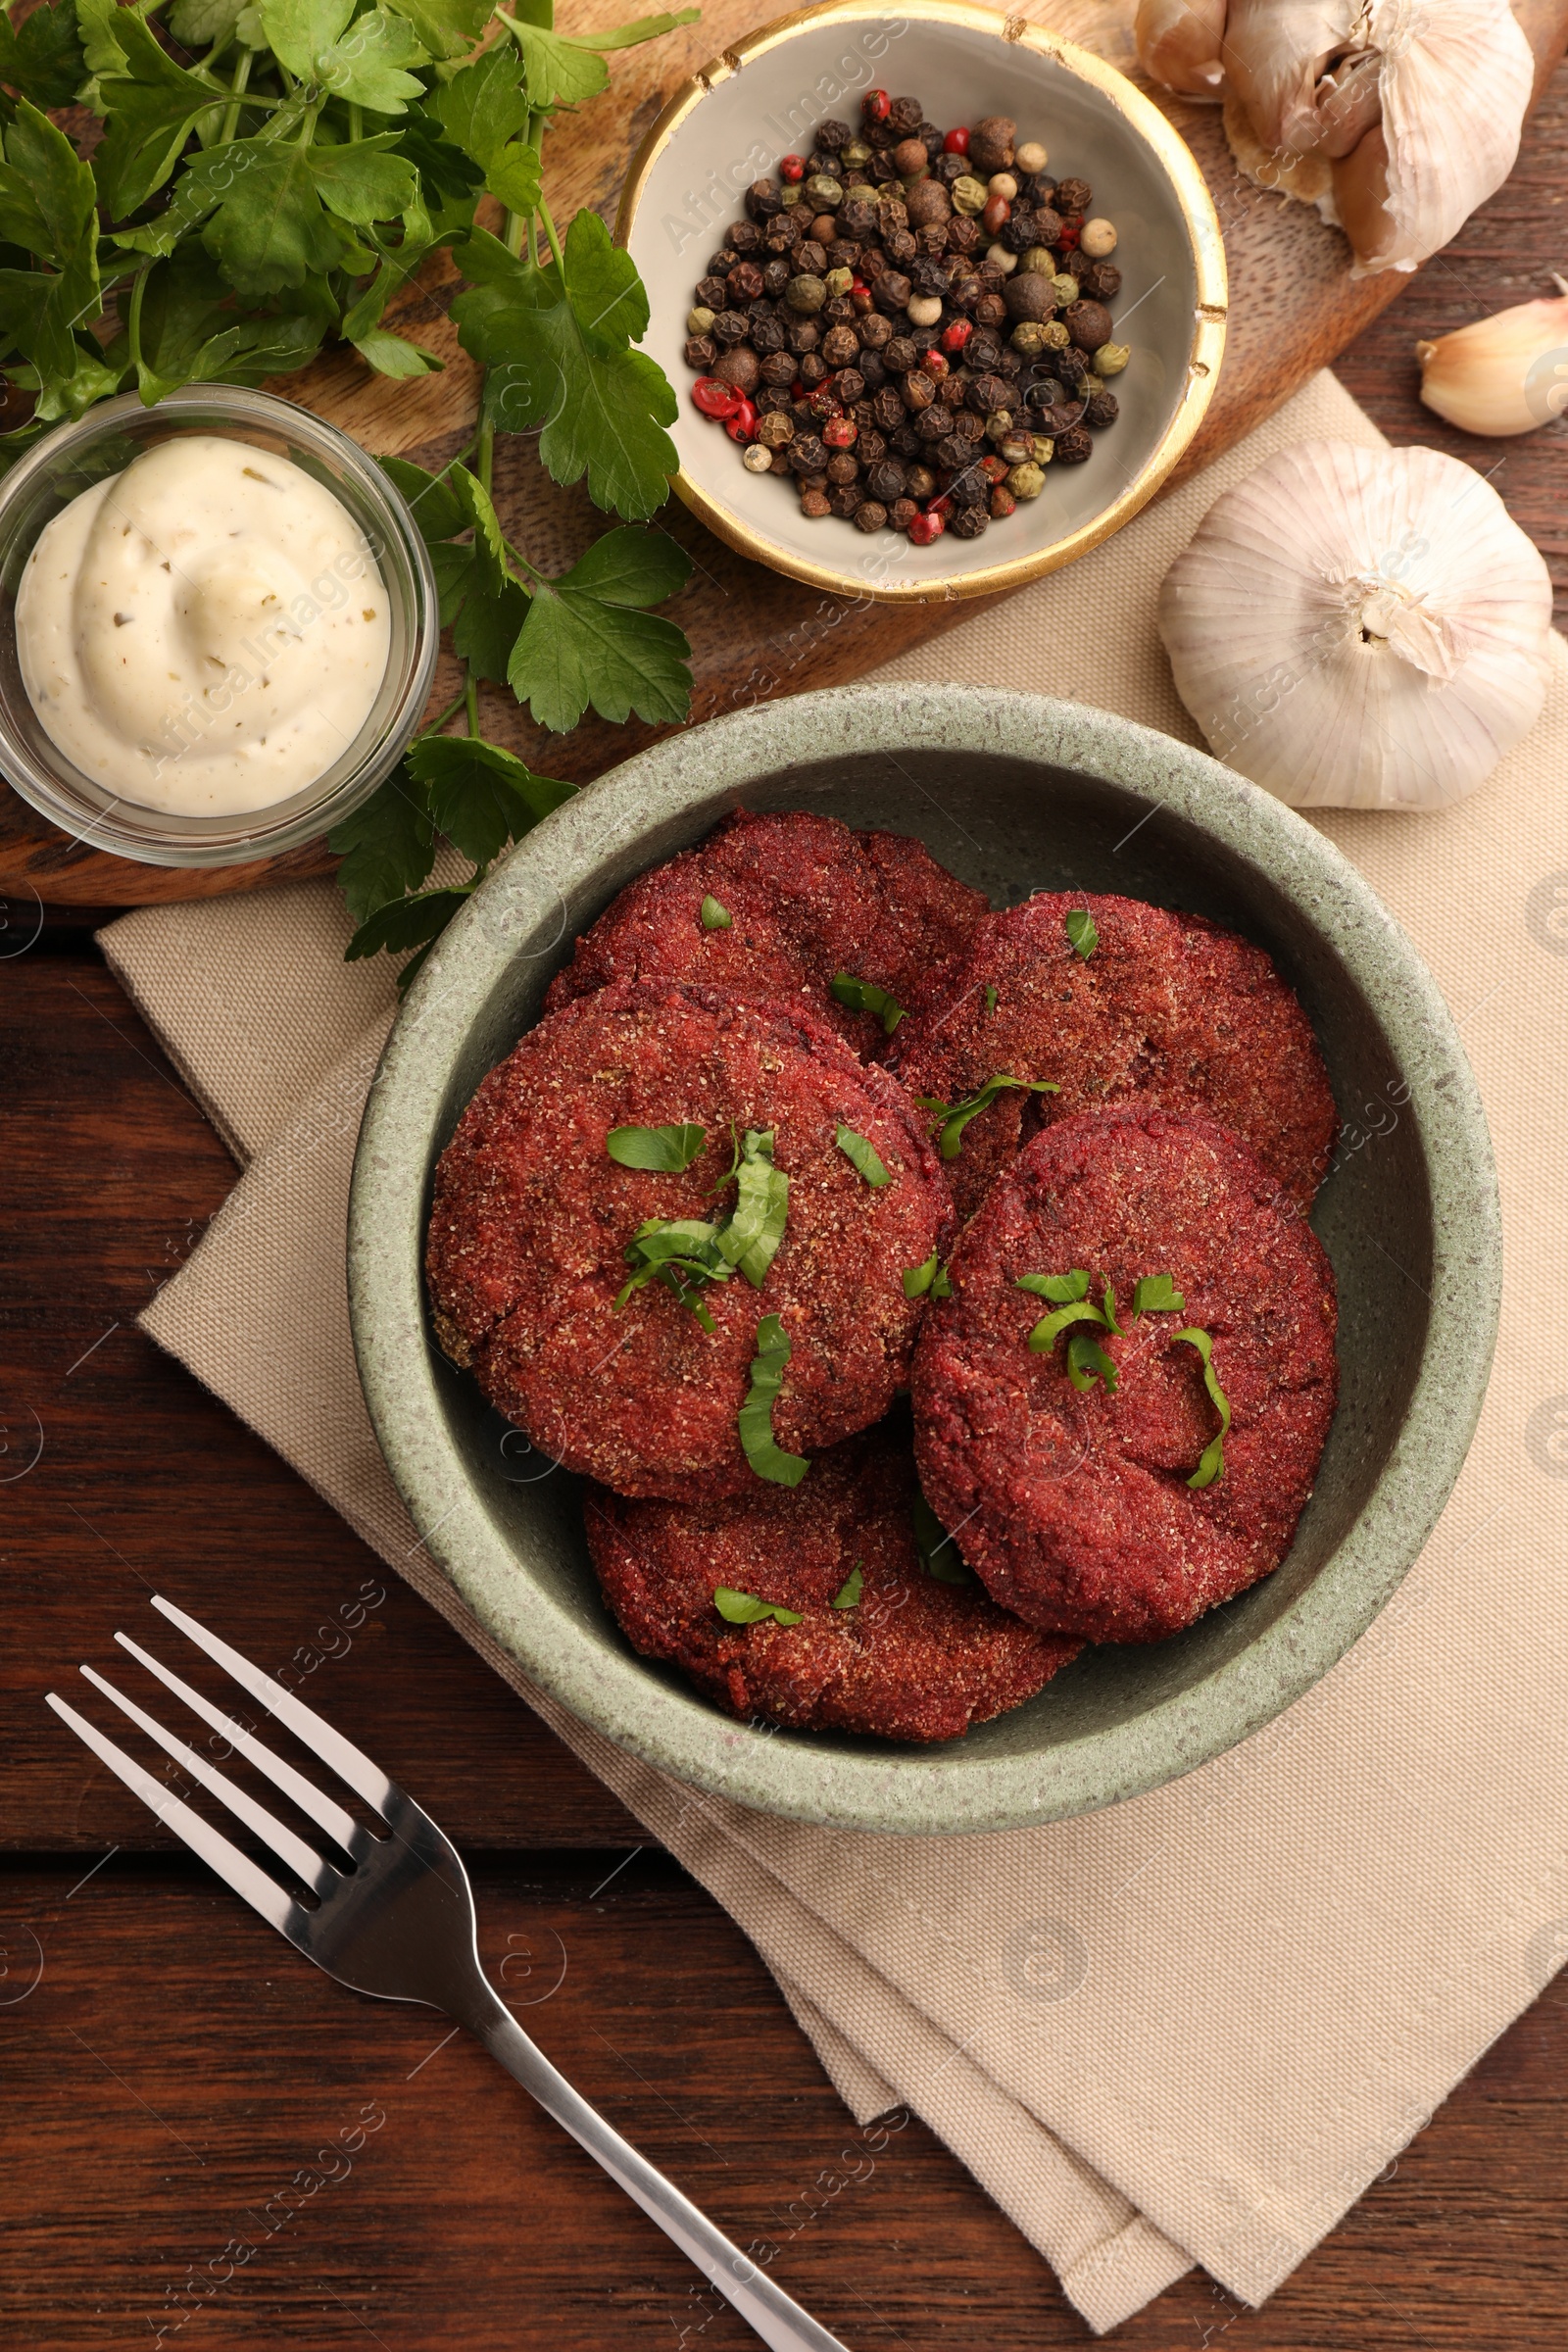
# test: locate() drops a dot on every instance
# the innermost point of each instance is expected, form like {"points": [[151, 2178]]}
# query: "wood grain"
{"points": [[754, 634], [179, 2084]]}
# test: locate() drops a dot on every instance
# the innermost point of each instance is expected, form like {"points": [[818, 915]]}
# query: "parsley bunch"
{"points": [[270, 174]]}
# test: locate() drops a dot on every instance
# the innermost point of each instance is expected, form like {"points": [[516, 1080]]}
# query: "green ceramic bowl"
{"points": [[1014, 794]]}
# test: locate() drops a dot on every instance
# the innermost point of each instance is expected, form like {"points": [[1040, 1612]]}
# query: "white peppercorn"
{"points": [[1004, 261], [755, 458], [1098, 240], [1030, 159], [925, 309], [1003, 183]]}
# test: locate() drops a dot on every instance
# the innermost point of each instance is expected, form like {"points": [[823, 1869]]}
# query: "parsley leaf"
{"points": [[387, 846], [480, 796], [282, 210], [863, 1156], [755, 1420], [434, 505], [394, 355], [936, 1552], [663, 1150], [151, 105], [849, 1593], [955, 1117], [751, 1234], [368, 66], [1049, 1330], [1058, 1288], [584, 643], [932, 1277], [1087, 1362], [446, 27], [864, 996], [42, 60], [991, 999], [487, 628], [602, 406], [1083, 935], [1157, 1293], [744, 1608], [47, 205], [415, 922], [1212, 1462], [482, 106], [679, 1252], [714, 917]]}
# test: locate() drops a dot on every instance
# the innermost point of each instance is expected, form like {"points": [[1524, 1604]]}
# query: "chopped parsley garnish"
{"points": [[991, 999], [849, 1593], [714, 916], [685, 1253], [665, 1151], [1213, 1464], [1156, 1295], [1083, 935], [864, 996], [938, 1553], [932, 1276], [863, 1155], [744, 1608], [1049, 1330], [1058, 1288], [1087, 1362], [955, 1117], [755, 1421]]}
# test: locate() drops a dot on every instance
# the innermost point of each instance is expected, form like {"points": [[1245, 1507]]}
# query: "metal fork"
{"points": [[398, 1922]]}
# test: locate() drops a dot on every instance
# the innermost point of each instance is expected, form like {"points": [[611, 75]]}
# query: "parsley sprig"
{"points": [[688, 1252], [269, 175], [953, 1117]]}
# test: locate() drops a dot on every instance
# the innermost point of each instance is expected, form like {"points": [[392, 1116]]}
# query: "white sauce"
{"points": [[204, 633]]}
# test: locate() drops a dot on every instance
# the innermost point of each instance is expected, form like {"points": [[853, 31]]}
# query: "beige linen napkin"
{"points": [[1191, 2029]]}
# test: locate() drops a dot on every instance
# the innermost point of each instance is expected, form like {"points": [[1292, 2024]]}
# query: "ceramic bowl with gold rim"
{"points": [[763, 99]]}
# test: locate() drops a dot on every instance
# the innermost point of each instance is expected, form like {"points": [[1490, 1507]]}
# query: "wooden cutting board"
{"points": [[1293, 306]]}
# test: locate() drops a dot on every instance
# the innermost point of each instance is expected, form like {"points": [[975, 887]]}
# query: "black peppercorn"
{"points": [[901, 514], [906, 442], [874, 374], [963, 235], [969, 522], [812, 370], [886, 480], [1103, 409], [745, 282], [1019, 231], [928, 276], [1103, 280], [832, 134], [968, 426], [1074, 195], [767, 337], [871, 446], [899, 356], [839, 311], [948, 168], [889, 409], [870, 516], [802, 336], [917, 390], [983, 350], [778, 368], [849, 386], [891, 291], [713, 293], [858, 217], [970, 488], [764, 200], [892, 216], [723, 260], [844, 498], [700, 352], [931, 425], [876, 332], [1070, 366], [881, 167], [1073, 446], [902, 246], [807, 455], [729, 327], [904, 117], [841, 467], [985, 393], [840, 345]]}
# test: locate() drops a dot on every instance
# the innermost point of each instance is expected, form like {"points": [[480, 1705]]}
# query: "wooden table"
{"points": [[177, 2081]]}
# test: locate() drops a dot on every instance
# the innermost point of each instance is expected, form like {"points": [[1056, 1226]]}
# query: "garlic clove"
{"points": [[1504, 375], [1455, 84], [1360, 629], [1179, 43]]}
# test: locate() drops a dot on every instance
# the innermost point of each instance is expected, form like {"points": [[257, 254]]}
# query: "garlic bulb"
{"points": [[1504, 375], [1395, 118], [1360, 629]]}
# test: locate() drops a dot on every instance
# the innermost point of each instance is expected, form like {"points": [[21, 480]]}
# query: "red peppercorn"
{"points": [[925, 528], [792, 168], [957, 141], [997, 213], [840, 432], [742, 426], [1003, 503], [994, 470], [857, 285], [1068, 240], [933, 364], [955, 337], [876, 105], [716, 398]]}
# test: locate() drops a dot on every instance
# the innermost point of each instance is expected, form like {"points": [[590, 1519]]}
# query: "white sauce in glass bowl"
{"points": [[205, 632]]}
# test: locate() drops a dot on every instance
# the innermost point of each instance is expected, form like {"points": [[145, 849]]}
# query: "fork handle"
{"points": [[776, 2317]]}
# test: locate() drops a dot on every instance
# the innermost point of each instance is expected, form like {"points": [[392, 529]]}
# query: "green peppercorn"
{"points": [[826, 194], [856, 152], [1045, 449], [1068, 289], [998, 424], [1039, 261], [1029, 337], [805, 295], [789, 194], [699, 320], [971, 196], [1111, 359], [1027, 481], [1018, 449], [1056, 334], [839, 282]]}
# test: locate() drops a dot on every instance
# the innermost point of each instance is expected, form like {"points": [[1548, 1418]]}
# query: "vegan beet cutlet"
{"points": [[1115, 1002], [671, 1235], [778, 907], [813, 1607], [1120, 1410]]}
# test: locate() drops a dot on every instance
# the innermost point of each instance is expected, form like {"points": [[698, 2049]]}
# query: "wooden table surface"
{"points": [[177, 2081]]}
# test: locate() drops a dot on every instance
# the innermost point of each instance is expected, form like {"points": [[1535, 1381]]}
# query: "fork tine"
{"points": [[264, 1895], [305, 1862], [325, 1811], [350, 1763]]}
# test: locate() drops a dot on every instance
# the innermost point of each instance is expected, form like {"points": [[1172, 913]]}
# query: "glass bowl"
{"points": [[104, 442]]}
